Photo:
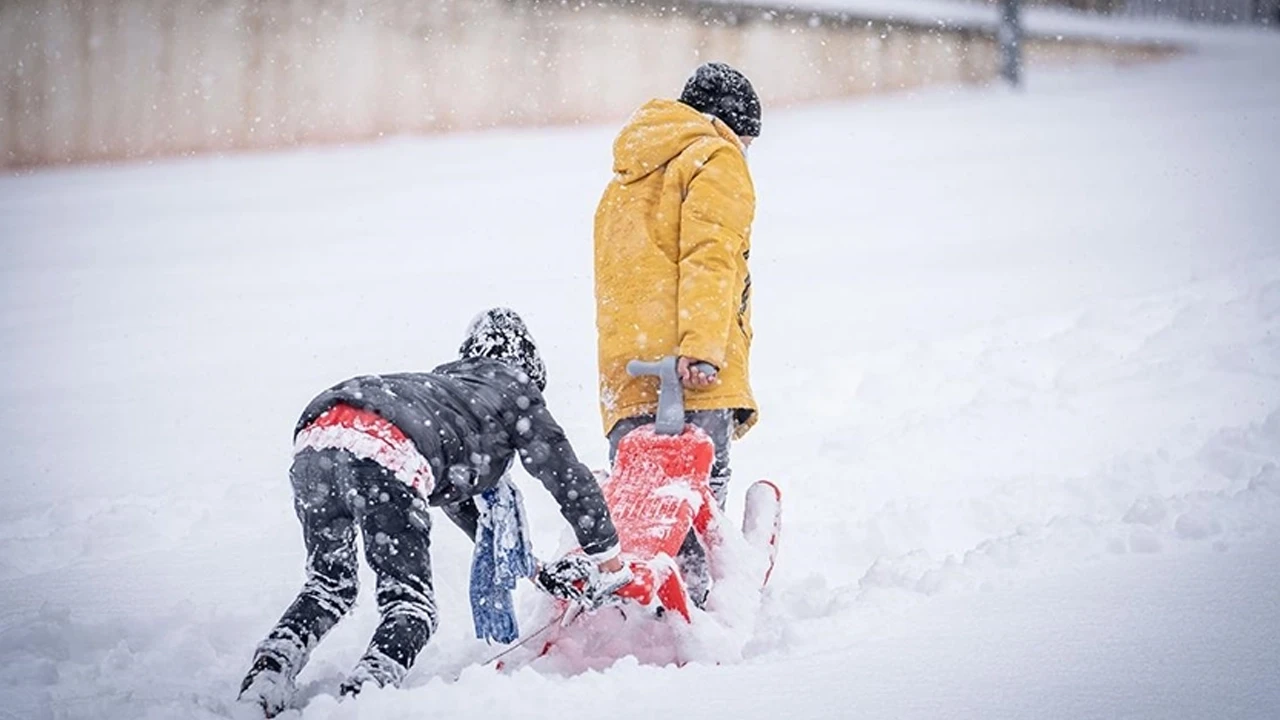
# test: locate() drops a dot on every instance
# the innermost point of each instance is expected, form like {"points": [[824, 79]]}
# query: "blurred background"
{"points": [[1016, 289], [106, 80]]}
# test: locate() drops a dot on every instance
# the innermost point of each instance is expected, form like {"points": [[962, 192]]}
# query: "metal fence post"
{"points": [[1010, 37]]}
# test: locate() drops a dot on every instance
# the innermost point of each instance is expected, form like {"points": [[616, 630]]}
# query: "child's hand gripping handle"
{"points": [[670, 417]]}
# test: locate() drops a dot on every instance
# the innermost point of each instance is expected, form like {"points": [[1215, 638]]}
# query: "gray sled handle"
{"points": [[670, 418]]}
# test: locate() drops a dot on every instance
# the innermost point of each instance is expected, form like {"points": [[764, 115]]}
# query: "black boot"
{"points": [[269, 683]]}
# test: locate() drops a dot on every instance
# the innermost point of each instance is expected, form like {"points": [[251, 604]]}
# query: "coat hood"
{"points": [[657, 133]]}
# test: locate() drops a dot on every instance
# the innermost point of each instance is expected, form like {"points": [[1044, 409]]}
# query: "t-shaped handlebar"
{"points": [[670, 417]]}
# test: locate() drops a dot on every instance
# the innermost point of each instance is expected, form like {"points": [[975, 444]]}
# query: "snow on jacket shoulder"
{"points": [[468, 419], [672, 239]]}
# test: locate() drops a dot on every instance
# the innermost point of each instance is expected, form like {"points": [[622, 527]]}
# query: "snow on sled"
{"points": [[657, 493]]}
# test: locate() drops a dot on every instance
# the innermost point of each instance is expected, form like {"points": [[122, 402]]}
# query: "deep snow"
{"points": [[1018, 357]]}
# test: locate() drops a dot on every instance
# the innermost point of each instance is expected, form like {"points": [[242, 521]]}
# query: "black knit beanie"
{"points": [[719, 90], [500, 334]]}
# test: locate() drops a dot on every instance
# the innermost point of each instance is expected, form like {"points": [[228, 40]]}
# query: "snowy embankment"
{"points": [[1018, 356], [1038, 20]]}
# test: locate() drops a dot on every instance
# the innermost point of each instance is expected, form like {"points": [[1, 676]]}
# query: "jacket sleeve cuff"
{"points": [[691, 348], [609, 553]]}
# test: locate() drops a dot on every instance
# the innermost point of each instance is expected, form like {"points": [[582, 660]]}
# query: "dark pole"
{"points": [[1010, 36]]}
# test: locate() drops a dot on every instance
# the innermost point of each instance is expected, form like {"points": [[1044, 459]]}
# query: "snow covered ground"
{"points": [[1018, 357]]}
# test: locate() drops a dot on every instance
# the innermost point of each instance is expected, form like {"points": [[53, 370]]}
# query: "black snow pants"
{"points": [[334, 493]]}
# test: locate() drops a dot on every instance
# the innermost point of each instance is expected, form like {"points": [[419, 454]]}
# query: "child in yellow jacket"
{"points": [[672, 241]]}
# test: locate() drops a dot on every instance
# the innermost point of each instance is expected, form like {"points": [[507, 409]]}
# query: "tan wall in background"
{"points": [[94, 80]]}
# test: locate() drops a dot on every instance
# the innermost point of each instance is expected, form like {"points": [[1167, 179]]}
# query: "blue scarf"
{"points": [[503, 555]]}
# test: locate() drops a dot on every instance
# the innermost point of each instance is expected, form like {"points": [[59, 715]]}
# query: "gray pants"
{"points": [[718, 424]]}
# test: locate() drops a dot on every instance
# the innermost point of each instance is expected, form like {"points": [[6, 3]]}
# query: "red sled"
{"points": [[658, 492], [660, 489]]}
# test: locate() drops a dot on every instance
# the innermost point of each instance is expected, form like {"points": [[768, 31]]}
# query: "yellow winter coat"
{"points": [[672, 238]]}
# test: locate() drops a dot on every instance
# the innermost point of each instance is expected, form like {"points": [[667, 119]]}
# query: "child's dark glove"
{"points": [[576, 578], [566, 578]]}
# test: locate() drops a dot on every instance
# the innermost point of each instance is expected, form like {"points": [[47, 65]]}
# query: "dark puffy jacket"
{"points": [[468, 418]]}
